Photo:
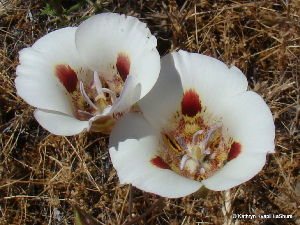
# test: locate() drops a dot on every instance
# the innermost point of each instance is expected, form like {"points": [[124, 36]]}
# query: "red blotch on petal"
{"points": [[123, 65], [159, 162], [190, 104], [235, 150], [67, 77]]}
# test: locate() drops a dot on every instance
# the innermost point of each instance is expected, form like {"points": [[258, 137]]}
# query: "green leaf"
{"points": [[82, 218]]}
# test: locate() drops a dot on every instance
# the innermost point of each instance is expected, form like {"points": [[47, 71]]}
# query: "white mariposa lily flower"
{"points": [[202, 127], [82, 78]]}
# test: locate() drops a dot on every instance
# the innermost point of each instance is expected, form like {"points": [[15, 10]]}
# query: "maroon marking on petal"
{"points": [[123, 65], [67, 77], [159, 162], [190, 104], [235, 150]]}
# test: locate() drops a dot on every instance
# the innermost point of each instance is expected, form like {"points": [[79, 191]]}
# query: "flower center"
{"points": [[200, 152], [194, 142], [93, 99], [194, 149]]}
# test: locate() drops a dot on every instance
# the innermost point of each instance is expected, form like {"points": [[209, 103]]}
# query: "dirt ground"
{"points": [[42, 175]]}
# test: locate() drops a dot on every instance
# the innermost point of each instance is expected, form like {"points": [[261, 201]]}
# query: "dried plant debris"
{"points": [[42, 176]]}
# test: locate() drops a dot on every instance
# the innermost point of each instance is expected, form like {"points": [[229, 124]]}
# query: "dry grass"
{"points": [[42, 175]]}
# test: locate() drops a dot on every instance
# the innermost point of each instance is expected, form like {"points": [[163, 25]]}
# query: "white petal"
{"points": [[211, 78], [165, 97], [102, 122], [37, 80], [236, 171], [59, 46], [129, 95], [249, 122], [60, 124], [146, 68], [133, 143], [103, 37], [44, 94], [56, 47]]}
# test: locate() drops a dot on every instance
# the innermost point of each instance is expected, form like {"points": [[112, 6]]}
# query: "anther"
{"points": [[98, 85], [202, 170], [85, 112], [86, 97], [206, 152], [211, 131], [111, 93], [181, 142], [183, 161], [195, 136], [212, 156]]}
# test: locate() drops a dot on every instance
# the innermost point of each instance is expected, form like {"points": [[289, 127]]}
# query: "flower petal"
{"points": [[213, 80], [43, 93], [110, 43], [60, 124], [236, 171], [164, 99], [222, 91], [133, 152], [249, 122], [49, 70], [60, 41], [129, 95]]}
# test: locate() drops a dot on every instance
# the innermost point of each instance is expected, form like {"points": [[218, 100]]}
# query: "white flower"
{"points": [[202, 127], [82, 78]]}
